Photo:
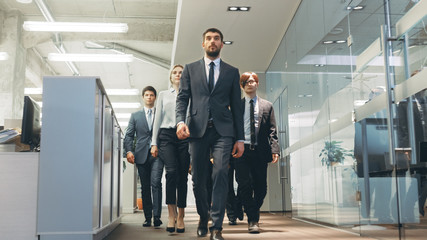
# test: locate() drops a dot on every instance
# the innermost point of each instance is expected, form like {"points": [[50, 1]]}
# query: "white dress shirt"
{"points": [[247, 118], [216, 68], [150, 124], [165, 112]]}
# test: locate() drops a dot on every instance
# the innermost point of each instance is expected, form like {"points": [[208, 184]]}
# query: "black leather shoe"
{"points": [[216, 235], [253, 227], [170, 229], [240, 215], [232, 222], [202, 229], [147, 223], [180, 230], [157, 222]]}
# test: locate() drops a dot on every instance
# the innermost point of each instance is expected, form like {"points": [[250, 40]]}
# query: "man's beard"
{"points": [[213, 53]]}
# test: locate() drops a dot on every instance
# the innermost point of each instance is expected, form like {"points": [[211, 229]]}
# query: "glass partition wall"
{"points": [[356, 109]]}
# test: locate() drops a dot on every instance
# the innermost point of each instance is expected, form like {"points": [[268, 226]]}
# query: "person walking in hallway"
{"points": [[150, 169], [172, 152], [214, 125], [261, 147]]}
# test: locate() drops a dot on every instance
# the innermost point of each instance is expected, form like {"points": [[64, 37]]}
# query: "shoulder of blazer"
{"points": [[138, 113], [195, 63], [264, 103], [225, 66]]}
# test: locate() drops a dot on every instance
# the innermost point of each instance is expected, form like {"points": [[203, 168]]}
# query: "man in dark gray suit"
{"points": [[150, 169], [261, 147], [213, 124]]}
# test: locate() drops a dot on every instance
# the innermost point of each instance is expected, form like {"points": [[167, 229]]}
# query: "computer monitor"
{"points": [[31, 126], [376, 147]]}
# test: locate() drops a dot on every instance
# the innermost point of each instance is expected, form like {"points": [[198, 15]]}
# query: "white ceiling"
{"points": [[162, 31], [255, 34]]}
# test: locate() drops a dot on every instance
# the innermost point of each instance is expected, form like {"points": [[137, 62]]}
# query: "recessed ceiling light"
{"points": [[319, 65], [228, 42], [358, 7], [334, 41], [305, 95], [336, 31], [236, 9]]}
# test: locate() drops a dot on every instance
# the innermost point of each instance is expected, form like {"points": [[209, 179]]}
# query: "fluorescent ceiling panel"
{"points": [[123, 115], [126, 105], [75, 27], [4, 56], [129, 92], [30, 91], [75, 57]]}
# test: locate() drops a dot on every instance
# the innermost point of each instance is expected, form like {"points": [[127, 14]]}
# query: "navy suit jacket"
{"points": [[223, 102], [266, 133], [138, 131]]}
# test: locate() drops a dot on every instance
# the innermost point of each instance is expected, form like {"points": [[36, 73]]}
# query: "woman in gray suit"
{"points": [[172, 152]]}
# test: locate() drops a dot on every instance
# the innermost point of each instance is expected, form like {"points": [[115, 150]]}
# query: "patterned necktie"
{"points": [[149, 121], [211, 76], [252, 122]]}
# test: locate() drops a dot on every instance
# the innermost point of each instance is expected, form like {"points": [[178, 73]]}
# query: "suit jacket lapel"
{"points": [[260, 113], [144, 118], [222, 68]]}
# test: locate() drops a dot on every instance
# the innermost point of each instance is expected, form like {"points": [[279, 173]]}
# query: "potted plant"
{"points": [[332, 153]]}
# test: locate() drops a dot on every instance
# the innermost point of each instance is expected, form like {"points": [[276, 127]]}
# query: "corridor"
{"points": [[273, 226]]}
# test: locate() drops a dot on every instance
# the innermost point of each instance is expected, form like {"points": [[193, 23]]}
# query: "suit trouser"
{"points": [[150, 175], [233, 205], [251, 176], [176, 158], [200, 149]]}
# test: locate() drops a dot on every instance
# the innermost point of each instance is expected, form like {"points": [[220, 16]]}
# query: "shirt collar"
{"points": [[172, 90], [208, 61], [248, 99], [146, 109]]}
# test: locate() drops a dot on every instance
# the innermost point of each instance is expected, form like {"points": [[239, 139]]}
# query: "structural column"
{"points": [[12, 70]]}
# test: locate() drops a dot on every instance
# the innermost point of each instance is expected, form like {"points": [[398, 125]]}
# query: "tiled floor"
{"points": [[273, 226]]}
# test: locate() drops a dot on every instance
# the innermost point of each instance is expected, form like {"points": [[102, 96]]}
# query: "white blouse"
{"points": [[165, 112]]}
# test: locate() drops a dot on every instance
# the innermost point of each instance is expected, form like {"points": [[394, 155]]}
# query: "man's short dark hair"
{"points": [[215, 30], [149, 88]]}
